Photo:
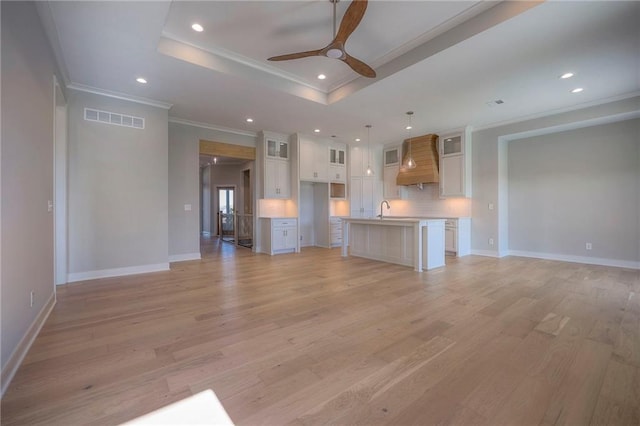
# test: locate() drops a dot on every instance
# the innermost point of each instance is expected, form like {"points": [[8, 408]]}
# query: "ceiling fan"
{"points": [[335, 49]]}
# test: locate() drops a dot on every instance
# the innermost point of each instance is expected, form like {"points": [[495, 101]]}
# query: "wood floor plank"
{"points": [[314, 338]]}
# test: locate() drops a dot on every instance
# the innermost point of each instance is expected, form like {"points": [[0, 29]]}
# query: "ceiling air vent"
{"points": [[494, 103], [107, 117]]}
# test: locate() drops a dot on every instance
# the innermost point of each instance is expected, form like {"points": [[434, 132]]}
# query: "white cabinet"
{"points": [[362, 196], [452, 176], [457, 236], [276, 167], [390, 189], [277, 179], [450, 238], [279, 235], [338, 163], [335, 226], [314, 164], [455, 165], [361, 157], [276, 149]]}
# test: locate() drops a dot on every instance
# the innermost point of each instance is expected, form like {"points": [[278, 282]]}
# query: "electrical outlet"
{"points": [[490, 206], [490, 241], [588, 246], [31, 294], [49, 205]]}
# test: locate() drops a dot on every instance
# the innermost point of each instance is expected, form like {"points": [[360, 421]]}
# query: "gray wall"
{"points": [[574, 187], [184, 182], [183, 189], [118, 177], [26, 167], [489, 173]]}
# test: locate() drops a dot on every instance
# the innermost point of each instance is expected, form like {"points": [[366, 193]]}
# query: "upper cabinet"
{"points": [[455, 165], [314, 160], [360, 158], [276, 167], [276, 149], [337, 162]]}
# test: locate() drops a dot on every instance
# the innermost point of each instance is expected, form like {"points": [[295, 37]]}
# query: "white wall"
{"points": [[27, 254], [574, 187], [488, 172], [118, 179]]}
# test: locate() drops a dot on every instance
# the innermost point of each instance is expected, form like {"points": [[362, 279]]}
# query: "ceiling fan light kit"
{"points": [[336, 49]]}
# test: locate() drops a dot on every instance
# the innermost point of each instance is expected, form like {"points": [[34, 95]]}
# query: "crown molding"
{"points": [[559, 111], [118, 95], [208, 126]]}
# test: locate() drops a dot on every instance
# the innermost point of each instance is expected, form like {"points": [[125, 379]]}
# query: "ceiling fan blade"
{"points": [[359, 66], [295, 55], [351, 19]]}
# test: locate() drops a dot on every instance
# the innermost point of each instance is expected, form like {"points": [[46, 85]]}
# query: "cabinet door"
{"points": [[271, 179], [368, 209], [277, 180], [355, 158], [290, 237], [284, 179], [314, 164], [355, 197], [452, 176], [277, 149], [450, 240], [278, 239], [337, 173], [306, 160]]}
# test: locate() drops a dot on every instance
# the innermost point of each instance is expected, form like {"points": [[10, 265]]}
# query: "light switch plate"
{"points": [[187, 207]]}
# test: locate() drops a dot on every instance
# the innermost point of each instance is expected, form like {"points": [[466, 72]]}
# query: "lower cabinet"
{"points": [[457, 236], [279, 235], [335, 224]]}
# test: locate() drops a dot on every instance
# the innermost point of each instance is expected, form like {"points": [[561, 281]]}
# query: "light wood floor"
{"points": [[314, 338]]}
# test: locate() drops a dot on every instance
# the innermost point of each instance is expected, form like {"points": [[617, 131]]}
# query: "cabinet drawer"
{"points": [[283, 222]]}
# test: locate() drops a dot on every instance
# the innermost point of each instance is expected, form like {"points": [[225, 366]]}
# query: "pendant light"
{"points": [[369, 169], [410, 163]]}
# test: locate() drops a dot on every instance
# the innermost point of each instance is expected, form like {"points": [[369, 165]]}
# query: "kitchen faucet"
{"points": [[381, 204]]}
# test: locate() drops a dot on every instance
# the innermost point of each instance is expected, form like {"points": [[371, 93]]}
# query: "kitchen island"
{"points": [[415, 242]]}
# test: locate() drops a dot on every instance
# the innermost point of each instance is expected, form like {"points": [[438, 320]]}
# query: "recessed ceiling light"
{"points": [[317, 130], [566, 75], [408, 128], [357, 139], [249, 120], [321, 76], [197, 27], [141, 80], [577, 90]]}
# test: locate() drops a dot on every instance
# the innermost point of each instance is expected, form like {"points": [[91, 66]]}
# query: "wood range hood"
{"points": [[424, 150]]}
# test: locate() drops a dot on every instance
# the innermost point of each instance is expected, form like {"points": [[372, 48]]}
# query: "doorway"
{"points": [[226, 213]]}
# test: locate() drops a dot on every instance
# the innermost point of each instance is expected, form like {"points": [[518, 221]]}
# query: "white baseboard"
{"points": [[488, 253], [16, 358], [117, 272], [184, 257], [630, 264]]}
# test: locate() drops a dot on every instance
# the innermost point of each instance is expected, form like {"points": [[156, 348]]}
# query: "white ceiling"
{"points": [[444, 60]]}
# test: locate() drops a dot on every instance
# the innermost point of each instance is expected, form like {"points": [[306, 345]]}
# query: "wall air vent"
{"points": [[107, 117]]}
